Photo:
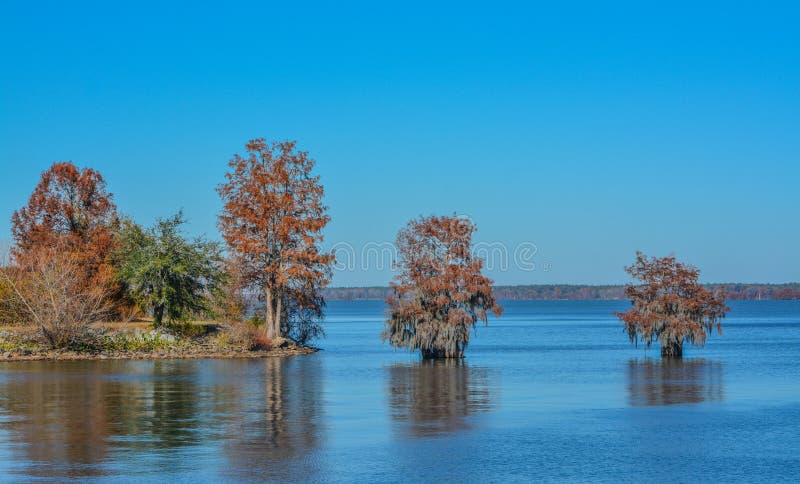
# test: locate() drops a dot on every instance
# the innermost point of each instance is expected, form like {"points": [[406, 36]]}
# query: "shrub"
{"points": [[138, 341], [87, 341], [50, 293], [243, 336], [10, 313], [259, 342], [255, 321], [188, 329]]}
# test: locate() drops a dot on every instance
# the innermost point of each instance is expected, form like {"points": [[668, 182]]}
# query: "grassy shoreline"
{"points": [[140, 341], [68, 355]]}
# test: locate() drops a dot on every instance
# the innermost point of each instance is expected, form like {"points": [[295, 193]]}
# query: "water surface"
{"points": [[552, 391]]}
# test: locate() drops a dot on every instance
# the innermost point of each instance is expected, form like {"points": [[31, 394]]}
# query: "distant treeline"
{"points": [[577, 292]]}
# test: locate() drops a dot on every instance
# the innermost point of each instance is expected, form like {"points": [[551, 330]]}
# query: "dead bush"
{"points": [[10, 312], [48, 291], [260, 342], [245, 336]]}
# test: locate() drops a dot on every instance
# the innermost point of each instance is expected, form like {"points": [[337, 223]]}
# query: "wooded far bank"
{"points": [[547, 292]]}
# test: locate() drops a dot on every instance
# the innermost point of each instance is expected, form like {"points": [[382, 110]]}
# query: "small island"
{"points": [[139, 341], [84, 281]]}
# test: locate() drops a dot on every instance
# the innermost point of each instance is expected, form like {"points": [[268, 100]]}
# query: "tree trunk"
{"points": [[672, 350], [277, 317], [269, 316], [158, 316], [435, 354]]}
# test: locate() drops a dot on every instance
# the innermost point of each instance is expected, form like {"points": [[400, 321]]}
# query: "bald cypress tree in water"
{"points": [[440, 293], [670, 306]]}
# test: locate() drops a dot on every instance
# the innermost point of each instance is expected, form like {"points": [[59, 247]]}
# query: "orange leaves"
{"points": [[69, 208], [670, 305], [272, 219], [440, 293]]}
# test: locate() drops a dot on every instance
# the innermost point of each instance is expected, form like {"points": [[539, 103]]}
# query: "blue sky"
{"points": [[588, 130]]}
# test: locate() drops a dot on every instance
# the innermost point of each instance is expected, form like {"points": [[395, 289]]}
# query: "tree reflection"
{"points": [[59, 419], [436, 397], [278, 423], [674, 381], [69, 417], [161, 408], [79, 419]]}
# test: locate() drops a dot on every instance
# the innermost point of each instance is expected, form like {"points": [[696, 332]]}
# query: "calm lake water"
{"points": [[552, 391]]}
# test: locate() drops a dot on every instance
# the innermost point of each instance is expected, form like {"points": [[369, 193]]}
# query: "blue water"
{"points": [[552, 391]]}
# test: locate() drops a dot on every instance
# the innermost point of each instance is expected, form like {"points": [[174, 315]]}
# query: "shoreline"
{"points": [[57, 355], [139, 341]]}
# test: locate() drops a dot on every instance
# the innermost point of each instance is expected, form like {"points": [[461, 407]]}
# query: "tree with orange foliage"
{"points": [[440, 293], [272, 221], [670, 306], [69, 208]]}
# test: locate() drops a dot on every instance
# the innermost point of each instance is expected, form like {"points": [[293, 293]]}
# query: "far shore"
{"points": [[577, 292]]}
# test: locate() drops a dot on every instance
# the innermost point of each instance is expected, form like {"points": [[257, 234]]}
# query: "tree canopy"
{"points": [[272, 221], [165, 273], [670, 306], [72, 209], [440, 293]]}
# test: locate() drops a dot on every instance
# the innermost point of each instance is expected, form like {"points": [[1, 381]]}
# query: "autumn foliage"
{"points": [[62, 277], [670, 306], [70, 208], [440, 293], [272, 220], [74, 262]]}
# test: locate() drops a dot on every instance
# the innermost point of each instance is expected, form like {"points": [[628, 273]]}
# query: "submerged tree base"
{"points": [[440, 355], [672, 351]]}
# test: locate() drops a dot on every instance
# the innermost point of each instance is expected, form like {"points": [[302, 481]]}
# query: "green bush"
{"points": [[137, 341], [188, 329], [256, 320], [165, 273]]}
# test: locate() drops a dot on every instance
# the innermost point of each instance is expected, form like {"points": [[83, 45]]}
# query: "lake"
{"points": [[552, 391]]}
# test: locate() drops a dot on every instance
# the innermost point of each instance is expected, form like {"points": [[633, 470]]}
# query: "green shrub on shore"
{"points": [[13, 342], [146, 342], [8, 346], [190, 330]]}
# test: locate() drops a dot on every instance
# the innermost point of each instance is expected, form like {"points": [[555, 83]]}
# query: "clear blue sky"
{"points": [[588, 129]]}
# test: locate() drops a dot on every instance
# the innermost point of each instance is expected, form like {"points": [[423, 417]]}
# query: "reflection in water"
{"points": [[87, 418], [58, 419], [435, 397], [278, 424], [670, 381], [66, 414]]}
